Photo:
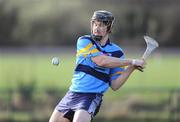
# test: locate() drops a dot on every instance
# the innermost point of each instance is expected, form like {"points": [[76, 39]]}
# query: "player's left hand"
{"points": [[139, 68], [139, 64]]}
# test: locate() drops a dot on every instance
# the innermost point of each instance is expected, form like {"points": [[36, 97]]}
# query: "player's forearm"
{"points": [[111, 62], [116, 84]]}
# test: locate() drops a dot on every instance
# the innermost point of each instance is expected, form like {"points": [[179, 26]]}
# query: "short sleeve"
{"points": [[86, 48]]}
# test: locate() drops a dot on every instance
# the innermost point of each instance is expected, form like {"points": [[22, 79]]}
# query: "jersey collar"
{"points": [[107, 43]]}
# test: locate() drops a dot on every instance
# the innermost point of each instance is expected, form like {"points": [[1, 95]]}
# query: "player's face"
{"points": [[99, 28]]}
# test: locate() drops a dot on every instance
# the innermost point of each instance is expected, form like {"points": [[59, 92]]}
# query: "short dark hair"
{"points": [[104, 16]]}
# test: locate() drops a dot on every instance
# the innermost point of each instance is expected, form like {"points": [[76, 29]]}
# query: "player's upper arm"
{"points": [[109, 61], [99, 60]]}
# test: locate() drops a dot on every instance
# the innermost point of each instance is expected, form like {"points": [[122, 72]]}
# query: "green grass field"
{"points": [[162, 71], [150, 88]]}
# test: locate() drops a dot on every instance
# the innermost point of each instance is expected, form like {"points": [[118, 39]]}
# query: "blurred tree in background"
{"points": [[60, 22]]}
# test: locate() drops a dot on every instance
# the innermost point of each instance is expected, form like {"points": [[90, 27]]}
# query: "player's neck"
{"points": [[104, 40]]}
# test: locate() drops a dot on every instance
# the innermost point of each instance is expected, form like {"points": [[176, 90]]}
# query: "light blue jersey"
{"points": [[88, 76]]}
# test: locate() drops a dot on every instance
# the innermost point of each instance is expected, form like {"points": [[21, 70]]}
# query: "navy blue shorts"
{"points": [[73, 101]]}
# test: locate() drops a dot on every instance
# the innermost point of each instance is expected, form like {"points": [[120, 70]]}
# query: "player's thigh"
{"points": [[57, 117], [82, 116]]}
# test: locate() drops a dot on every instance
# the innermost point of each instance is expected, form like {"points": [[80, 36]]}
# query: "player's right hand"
{"points": [[139, 63]]}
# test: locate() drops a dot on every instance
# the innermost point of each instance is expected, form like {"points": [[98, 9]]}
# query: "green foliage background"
{"points": [[59, 22]]}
